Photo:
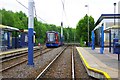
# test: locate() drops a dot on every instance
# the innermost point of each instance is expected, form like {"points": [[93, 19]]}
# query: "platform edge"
{"points": [[93, 69]]}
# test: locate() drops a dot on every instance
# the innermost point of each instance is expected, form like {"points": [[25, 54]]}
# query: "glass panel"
{"points": [[51, 37], [10, 39], [26, 38]]}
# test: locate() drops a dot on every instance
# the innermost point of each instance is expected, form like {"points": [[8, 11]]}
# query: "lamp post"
{"points": [[67, 36], [74, 38], [114, 30], [61, 29], [62, 22], [114, 12], [114, 17], [88, 22]]}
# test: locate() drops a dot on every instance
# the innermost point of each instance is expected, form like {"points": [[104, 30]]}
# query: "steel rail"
{"points": [[46, 68], [73, 68], [14, 56], [21, 62]]}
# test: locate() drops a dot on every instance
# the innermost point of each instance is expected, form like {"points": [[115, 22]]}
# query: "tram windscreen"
{"points": [[51, 37]]}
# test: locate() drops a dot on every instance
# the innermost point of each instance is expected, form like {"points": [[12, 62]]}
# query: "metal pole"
{"points": [[102, 40], [118, 20], [8, 37], [114, 12], [30, 32], [110, 41], [74, 38], [88, 22], [115, 24], [62, 33], [93, 40], [62, 20], [61, 29], [118, 57], [114, 18], [67, 36]]}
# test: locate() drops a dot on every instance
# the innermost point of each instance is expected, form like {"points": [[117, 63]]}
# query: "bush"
{"points": [[41, 41], [82, 42]]}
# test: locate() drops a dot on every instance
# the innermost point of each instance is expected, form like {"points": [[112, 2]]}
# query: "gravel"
{"points": [[61, 68], [80, 71], [31, 72]]}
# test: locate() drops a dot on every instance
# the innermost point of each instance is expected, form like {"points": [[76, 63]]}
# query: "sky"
{"points": [[51, 11]]}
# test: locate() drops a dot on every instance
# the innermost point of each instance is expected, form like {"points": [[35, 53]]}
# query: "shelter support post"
{"points": [[93, 40], [110, 41], [102, 40]]}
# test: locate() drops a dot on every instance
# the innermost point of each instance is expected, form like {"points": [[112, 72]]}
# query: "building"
{"points": [[110, 23]]}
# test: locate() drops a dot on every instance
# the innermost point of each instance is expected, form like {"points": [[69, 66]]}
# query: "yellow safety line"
{"points": [[93, 69], [10, 52]]}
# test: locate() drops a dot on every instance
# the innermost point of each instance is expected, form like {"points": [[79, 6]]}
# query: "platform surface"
{"points": [[10, 51], [106, 62]]}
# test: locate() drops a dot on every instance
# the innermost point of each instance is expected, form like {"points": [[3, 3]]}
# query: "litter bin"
{"points": [[115, 45], [117, 48]]}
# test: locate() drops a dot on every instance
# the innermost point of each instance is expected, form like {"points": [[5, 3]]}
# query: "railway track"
{"points": [[42, 74], [58, 67], [17, 54], [73, 66], [62, 62], [15, 61], [80, 70], [65, 67]]}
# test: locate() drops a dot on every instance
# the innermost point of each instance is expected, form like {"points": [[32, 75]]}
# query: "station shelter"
{"points": [[7, 37], [107, 33], [24, 38]]}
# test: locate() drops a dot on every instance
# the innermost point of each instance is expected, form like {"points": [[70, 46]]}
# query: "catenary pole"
{"points": [[30, 31]]}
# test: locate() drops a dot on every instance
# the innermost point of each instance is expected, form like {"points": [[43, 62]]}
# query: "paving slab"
{"points": [[106, 62]]}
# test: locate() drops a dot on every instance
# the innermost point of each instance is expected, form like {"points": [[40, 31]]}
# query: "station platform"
{"points": [[15, 51], [12, 50], [100, 65]]}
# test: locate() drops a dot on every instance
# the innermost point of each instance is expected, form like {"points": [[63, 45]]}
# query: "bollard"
{"points": [[40, 48]]}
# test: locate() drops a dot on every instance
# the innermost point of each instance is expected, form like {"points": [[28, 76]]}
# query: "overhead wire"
{"points": [[63, 4], [34, 10], [37, 15], [22, 4], [62, 8]]}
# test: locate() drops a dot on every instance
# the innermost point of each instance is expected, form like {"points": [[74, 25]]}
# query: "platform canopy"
{"points": [[107, 16], [112, 27], [26, 31], [8, 28]]}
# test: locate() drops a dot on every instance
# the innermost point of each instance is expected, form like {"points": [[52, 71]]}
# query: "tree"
{"points": [[20, 20], [82, 28]]}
